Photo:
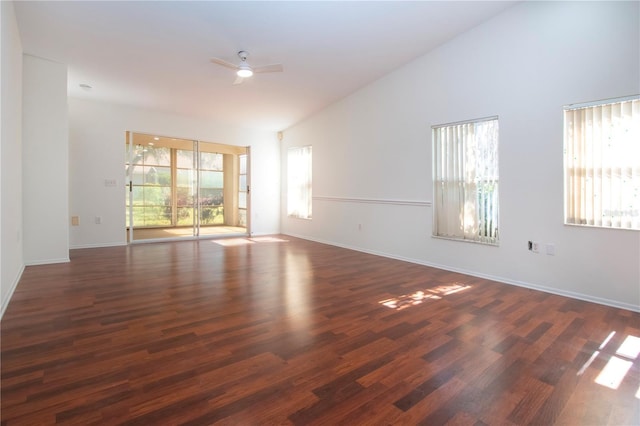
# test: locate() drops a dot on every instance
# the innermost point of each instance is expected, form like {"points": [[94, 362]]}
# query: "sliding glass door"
{"points": [[179, 188]]}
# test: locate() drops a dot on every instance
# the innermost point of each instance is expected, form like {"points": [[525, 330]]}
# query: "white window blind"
{"points": [[299, 180], [602, 164], [465, 180]]}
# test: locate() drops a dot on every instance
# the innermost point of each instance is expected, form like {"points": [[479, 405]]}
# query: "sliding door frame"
{"points": [[234, 150]]}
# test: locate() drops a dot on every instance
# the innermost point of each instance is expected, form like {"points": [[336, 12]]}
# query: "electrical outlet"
{"points": [[551, 249], [98, 220], [535, 247], [110, 182]]}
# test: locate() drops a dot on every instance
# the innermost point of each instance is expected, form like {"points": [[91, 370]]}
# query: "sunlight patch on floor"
{"points": [[612, 374], [229, 242], [630, 348], [268, 240], [408, 300], [618, 365]]}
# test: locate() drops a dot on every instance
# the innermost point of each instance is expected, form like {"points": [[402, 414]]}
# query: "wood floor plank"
{"points": [[287, 331]]}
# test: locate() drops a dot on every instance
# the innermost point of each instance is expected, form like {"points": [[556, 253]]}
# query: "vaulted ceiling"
{"points": [[156, 54]]}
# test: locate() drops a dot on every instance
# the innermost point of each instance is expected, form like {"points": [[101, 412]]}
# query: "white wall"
{"points": [[11, 258], [372, 151], [45, 165], [97, 152]]}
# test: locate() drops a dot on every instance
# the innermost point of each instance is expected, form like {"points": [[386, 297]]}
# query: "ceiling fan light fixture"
{"points": [[244, 71]]}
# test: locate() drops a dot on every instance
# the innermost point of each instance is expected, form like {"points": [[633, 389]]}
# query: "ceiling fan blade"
{"points": [[224, 63], [239, 80], [268, 68]]}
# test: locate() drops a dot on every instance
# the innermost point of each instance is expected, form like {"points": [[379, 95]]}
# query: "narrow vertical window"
{"points": [[602, 164], [242, 190], [465, 168], [299, 179]]}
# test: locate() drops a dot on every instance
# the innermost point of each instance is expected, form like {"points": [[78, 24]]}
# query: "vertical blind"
{"points": [[299, 180], [602, 164], [466, 180]]}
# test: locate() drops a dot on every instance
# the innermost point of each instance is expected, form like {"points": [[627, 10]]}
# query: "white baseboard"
{"points": [[14, 285], [48, 261], [84, 246], [551, 290], [160, 240]]}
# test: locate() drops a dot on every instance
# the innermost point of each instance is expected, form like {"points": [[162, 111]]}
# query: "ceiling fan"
{"points": [[243, 69]]}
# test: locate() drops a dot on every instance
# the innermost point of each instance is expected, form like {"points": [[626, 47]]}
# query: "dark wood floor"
{"points": [[285, 331]]}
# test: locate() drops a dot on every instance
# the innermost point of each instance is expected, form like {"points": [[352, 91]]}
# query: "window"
{"points": [[242, 191], [151, 186], [602, 164], [465, 168], [181, 183], [211, 188], [299, 182], [185, 190]]}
